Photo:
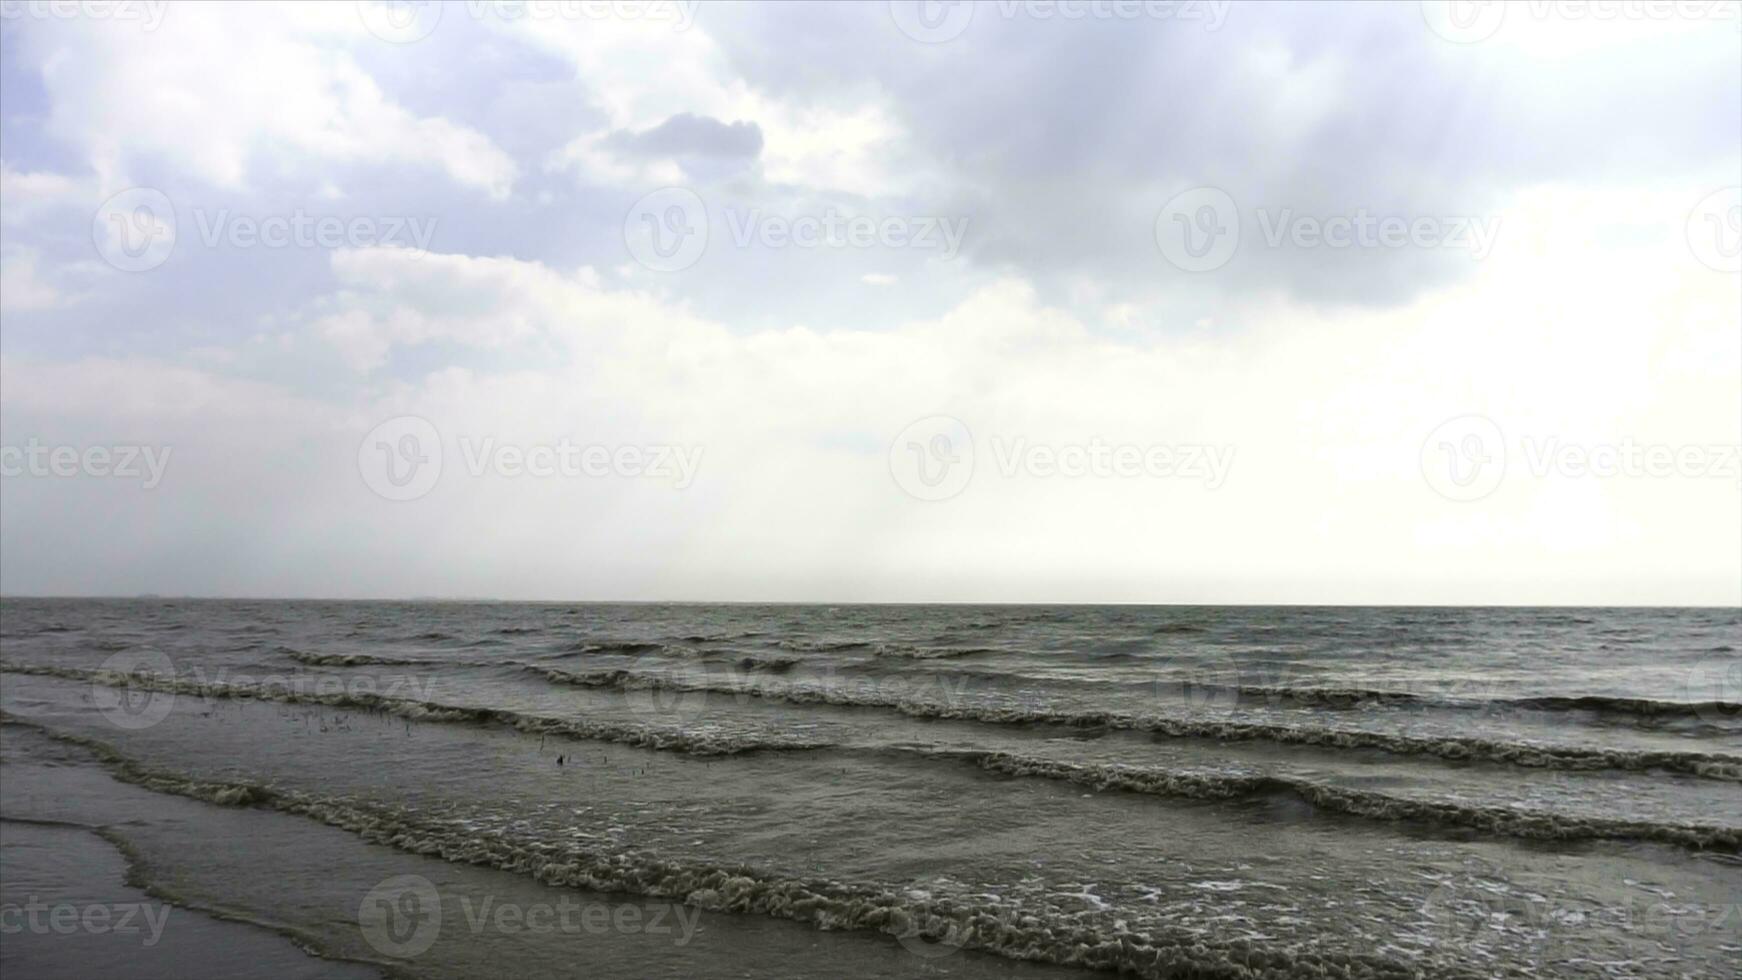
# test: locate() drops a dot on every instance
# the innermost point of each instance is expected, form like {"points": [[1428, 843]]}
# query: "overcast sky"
{"points": [[1098, 301]]}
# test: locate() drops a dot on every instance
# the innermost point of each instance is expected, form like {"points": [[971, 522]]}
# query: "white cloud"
{"points": [[21, 287], [221, 91]]}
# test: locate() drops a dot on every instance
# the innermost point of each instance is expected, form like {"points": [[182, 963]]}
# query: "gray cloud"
{"points": [[688, 135]]}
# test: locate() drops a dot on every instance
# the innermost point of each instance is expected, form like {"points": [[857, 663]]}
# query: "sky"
{"points": [[1095, 301]]}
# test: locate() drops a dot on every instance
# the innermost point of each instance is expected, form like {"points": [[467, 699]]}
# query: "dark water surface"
{"points": [[897, 790]]}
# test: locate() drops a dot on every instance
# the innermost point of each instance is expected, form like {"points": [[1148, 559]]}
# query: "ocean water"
{"points": [[466, 789]]}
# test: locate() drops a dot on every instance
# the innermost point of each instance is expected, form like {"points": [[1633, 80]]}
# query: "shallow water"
{"points": [[892, 790]]}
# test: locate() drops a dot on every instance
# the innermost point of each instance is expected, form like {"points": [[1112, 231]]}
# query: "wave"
{"points": [[822, 646], [929, 924], [1644, 709], [907, 652], [706, 743], [777, 665], [344, 659], [1640, 707], [1500, 820], [613, 646], [1456, 748]]}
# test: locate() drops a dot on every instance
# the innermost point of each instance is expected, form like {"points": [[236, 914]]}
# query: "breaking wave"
{"points": [[1459, 748], [692, 742], [975, 922]]}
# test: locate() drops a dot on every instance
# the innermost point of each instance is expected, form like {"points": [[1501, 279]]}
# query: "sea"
{"points": [[469, 789]]}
